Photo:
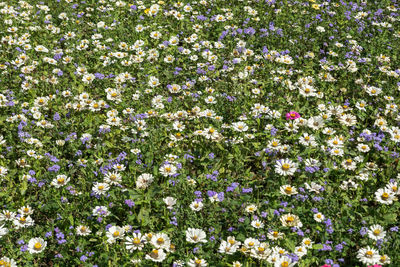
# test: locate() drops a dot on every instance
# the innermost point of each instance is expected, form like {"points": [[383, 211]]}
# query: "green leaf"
{"points": [[143, 216], [71, 219], [290, 244], [390, 218], [317, 246], [23, 187], [220, 146]]}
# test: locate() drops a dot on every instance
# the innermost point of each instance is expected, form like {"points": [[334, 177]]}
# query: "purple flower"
{"points": [[221, 196], [247, 190], [56, 117], [232, 187], [339, 247], [329, 261], [99, 76], [363, 231], [130, 203], [211, 193]]}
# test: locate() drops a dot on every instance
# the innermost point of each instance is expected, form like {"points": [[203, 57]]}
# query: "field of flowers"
{"points": [[199, 133]]}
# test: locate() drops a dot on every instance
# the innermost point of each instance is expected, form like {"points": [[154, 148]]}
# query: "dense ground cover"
{"points": [[219, 133]]}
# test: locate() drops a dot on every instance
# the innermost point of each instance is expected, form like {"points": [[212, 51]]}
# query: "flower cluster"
{"points": [[199, 133]]}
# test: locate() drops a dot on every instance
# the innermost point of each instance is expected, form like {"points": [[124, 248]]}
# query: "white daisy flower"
{"points": [[195, 236], [285, 167], [368, 256], [36, 245], [136, 242], [376, 232]]}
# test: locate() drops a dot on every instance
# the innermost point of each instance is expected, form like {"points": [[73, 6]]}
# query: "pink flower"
{"points": [[325, 265], [292, 115], [375, 265]]}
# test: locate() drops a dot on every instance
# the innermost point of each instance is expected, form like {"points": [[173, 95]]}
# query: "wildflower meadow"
{"points": [[200, 133]]}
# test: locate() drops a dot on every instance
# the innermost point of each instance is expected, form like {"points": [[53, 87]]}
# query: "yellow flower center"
{"points": [[136, 241], [385, 196], [377, 232], [37, 246], [289, 219], [285, 166], [116, 233]]}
